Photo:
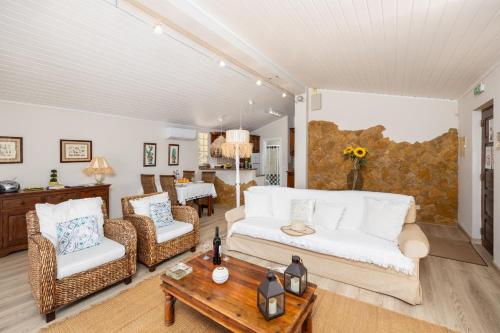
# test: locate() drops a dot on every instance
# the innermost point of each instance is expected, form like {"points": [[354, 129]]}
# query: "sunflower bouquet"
{"points": [[358, 157]]}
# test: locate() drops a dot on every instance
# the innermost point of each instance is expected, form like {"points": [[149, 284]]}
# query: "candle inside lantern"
{"points": [[273, 306], [295, 284]]}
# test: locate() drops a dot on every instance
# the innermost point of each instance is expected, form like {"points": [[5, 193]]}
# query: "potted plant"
{"points": [[357, 155]]}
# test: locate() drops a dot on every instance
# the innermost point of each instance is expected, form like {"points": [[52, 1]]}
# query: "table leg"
{"points": [[307, 325], [169, 309], [210, 203]]}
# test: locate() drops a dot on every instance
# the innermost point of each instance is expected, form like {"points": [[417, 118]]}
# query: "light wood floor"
{"points": [[461, 296]]}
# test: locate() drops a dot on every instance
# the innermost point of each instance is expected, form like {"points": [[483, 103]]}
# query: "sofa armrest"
{"points": [[123, 232], [413, 242], [234, 215], [189, 215], [42, 271]]}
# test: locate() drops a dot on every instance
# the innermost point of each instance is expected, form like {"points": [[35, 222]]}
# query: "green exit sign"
{"points": [[479, 89]]}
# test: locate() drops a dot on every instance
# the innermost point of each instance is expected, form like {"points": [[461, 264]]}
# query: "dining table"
{"points": [[196, 190]]}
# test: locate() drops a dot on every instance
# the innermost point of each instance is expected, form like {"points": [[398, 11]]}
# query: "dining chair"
{"points": [[168, 185], [207, 177], [188, 174], [148, 183]]}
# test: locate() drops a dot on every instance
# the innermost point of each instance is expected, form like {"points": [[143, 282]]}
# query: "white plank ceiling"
{"points": [[432, 48], [89, 55]]}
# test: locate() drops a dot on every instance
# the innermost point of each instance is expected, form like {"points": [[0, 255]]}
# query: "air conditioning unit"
{"points": [[175, 133]]}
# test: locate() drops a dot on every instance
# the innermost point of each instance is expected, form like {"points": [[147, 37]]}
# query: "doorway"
{"points": [[487, 166], [272, 162]]}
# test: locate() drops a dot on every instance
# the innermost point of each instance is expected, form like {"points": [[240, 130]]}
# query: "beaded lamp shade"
{"points": [[239, 138]]}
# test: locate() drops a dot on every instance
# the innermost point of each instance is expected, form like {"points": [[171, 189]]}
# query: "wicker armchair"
{"points": [[149, 251], [51, 293]]}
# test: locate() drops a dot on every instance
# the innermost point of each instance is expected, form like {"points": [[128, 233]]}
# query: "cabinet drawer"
{"points": [[58, 198], [27, 203], [94, 193]]}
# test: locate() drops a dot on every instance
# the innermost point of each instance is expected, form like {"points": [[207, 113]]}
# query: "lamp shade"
{"points": [[99, 165], [237, 136]]}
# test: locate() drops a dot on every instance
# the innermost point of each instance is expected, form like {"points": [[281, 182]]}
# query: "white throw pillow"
{"points": [[258, 204], [384, 218], [77, 234], [87, 207], [49, 216], [302, 210], [327, 215], [142, 206]]}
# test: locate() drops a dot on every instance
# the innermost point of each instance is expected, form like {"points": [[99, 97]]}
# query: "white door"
{"points": [[272, 170]]}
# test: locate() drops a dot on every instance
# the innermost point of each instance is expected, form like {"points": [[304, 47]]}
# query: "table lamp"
{"points": [[99, 167]]}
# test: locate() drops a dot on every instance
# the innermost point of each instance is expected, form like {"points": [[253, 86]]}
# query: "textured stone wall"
{"points": [[226, 194], [426, 170]]}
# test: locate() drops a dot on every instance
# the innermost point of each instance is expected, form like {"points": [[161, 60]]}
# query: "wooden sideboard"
{"points": [[14, 206]]}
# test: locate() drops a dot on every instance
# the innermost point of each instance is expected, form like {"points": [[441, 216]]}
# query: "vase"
{"points": [[355, 180]]}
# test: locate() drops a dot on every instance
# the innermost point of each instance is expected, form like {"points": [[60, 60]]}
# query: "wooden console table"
{"points": [[14, 206]]}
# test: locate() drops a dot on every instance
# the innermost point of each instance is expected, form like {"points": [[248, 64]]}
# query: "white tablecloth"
{"points": [[194, 191]]}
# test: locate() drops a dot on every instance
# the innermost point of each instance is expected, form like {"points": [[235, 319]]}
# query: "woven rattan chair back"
{"points": [[148, 184], [188, 174], [208, 176], [168, 185]]}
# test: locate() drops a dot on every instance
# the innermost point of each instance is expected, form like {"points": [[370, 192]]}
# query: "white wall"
{"points": [[405, 118], [118, 139], [469, 167], [300, 156], [277, 129]]}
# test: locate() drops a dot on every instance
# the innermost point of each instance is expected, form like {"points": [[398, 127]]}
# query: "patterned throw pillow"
{"points": [[161, 213], [77, 234]]}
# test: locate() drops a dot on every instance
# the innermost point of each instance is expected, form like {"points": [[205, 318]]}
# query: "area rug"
{"points": [[455, 250], [141, 309]]}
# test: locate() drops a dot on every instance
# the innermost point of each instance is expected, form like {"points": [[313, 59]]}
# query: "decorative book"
{"points": [[179, 271]]}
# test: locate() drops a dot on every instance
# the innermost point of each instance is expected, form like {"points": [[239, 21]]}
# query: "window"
{"points": [[202, 148]]}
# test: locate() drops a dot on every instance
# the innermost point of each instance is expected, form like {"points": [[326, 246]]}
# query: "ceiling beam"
{"points": [[197, 40]]}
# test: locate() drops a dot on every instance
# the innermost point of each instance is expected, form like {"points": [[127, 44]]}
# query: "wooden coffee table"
{"points": [[234, 303]]}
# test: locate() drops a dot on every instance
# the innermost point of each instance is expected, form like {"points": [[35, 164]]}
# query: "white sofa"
{"points": [[348, 253]]}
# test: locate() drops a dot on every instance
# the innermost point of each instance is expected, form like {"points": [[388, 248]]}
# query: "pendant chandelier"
{"points": [[216, 146]]}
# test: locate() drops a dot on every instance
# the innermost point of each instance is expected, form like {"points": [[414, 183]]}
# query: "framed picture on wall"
{"points": [[488, 158], [74, 151], [149, 155], [11, 149], [173, 154]]}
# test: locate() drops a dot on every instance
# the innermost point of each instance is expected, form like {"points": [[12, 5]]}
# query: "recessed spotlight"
{"points": [[158, 30], [259, 82], [283, 95], [222, 63], [250, 102]]}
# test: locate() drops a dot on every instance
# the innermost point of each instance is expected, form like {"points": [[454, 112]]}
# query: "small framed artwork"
{"points": [[149, 155], [11, 149], [491, 134], [74, 151], [488, 158], [173, 154]]}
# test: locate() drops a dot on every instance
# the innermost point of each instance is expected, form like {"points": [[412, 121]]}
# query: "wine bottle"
{"points": [[217, 248]]}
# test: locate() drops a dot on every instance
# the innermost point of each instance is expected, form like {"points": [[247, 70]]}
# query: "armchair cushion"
{"points": [[50, 215], [172, 231], [141, 206], [80, 261], [77, 234], [161, 213]]}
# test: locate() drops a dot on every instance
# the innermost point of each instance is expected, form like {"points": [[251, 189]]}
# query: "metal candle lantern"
{"points": [[296, 277], [271, 297]]}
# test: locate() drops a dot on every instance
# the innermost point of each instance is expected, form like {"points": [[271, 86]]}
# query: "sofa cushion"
{"points": [[172, 231], [50, 215], [353, 201], [384, 218], [327, 215], [258, 204], [76, 262], [142, 206], [348, 244], [77, 234], [302, 210]]}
